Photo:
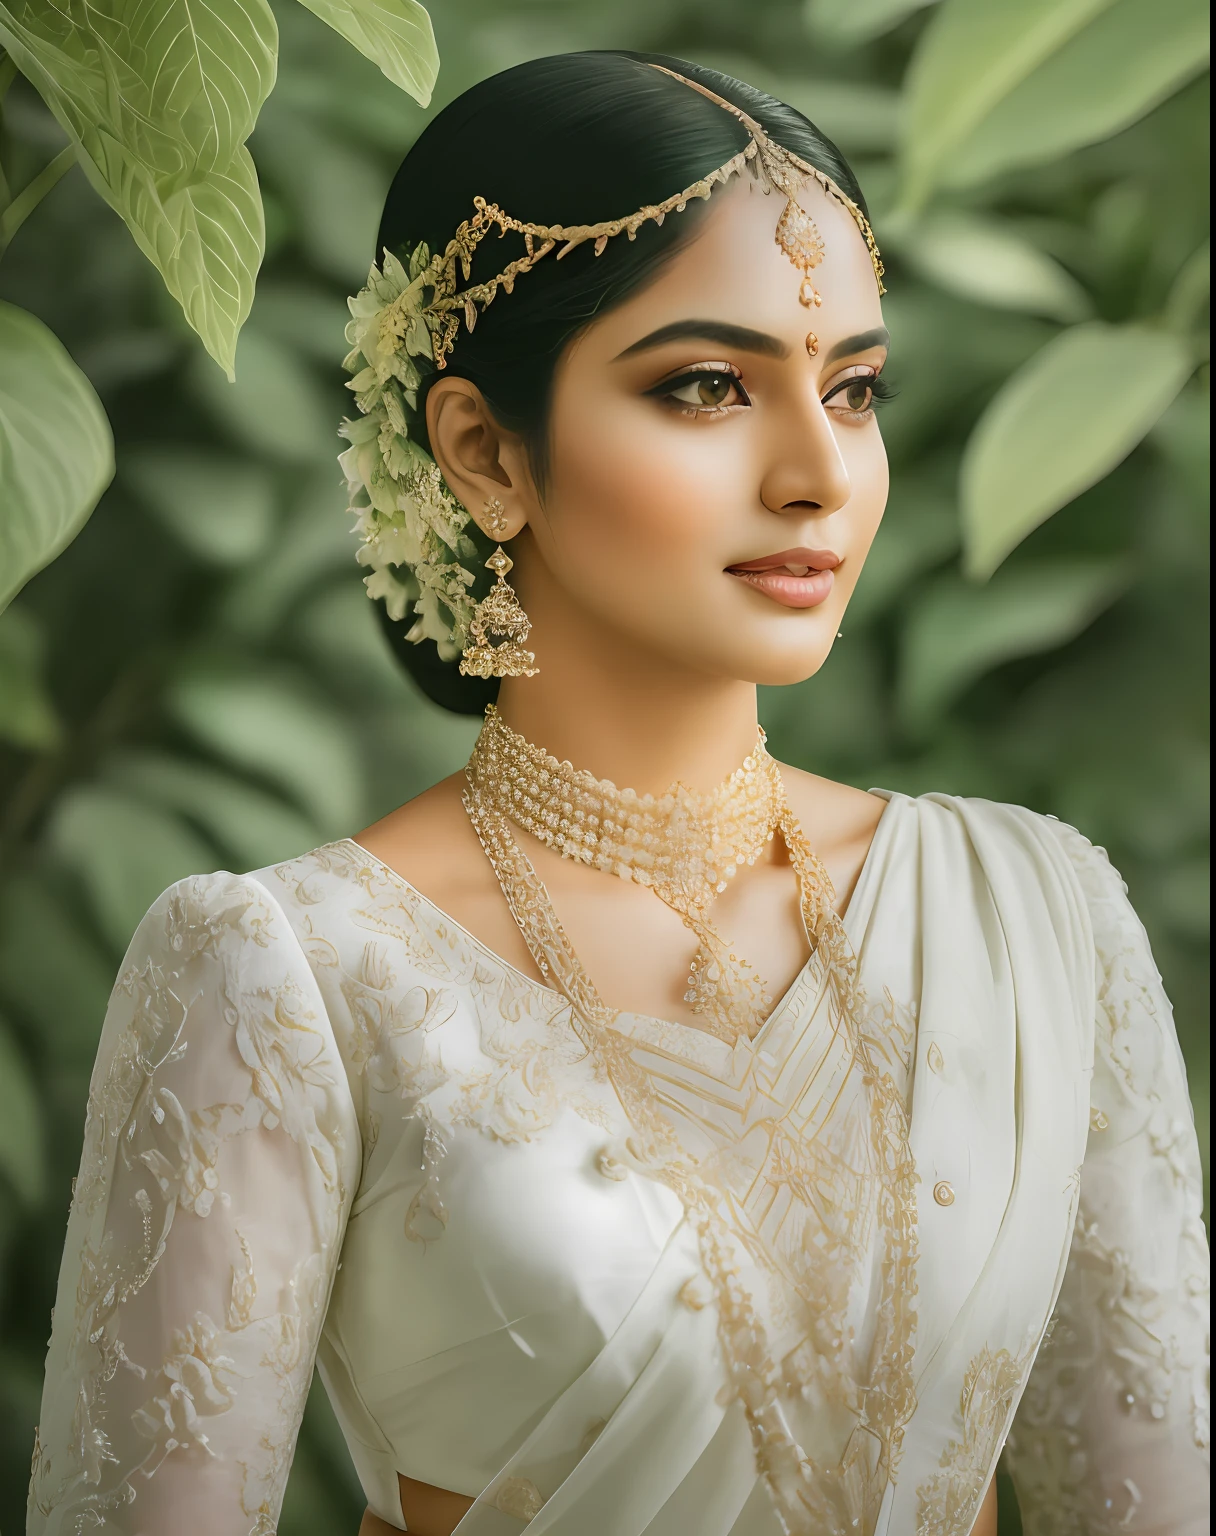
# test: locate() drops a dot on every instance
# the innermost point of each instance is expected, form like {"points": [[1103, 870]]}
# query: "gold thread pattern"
{"points": [[782, 1284], [948, 1502]]}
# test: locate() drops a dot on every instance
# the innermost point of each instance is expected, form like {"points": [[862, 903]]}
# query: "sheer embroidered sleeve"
{"points": [[1112, 1434], [221, 1152]]}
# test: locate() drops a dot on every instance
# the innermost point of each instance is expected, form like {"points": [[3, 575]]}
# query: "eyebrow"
{"points": [[739, 336], [864, 341]]}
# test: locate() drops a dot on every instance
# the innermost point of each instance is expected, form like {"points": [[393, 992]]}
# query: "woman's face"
{"points": [[716, 473]]}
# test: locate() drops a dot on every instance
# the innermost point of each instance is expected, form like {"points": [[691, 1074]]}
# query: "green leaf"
{"points": [[124, 852], [958, 631], [274, 405], [1127, 60], [221, 509], [971, 57], [984, 260], [159, 100], [850, 22], [21, 1147], [56, 451], [271, 724], [252, 827], [395, 35], [27, 715], [1059, 425]]}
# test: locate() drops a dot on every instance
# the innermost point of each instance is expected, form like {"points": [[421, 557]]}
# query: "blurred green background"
{"points": [[198, 681]]}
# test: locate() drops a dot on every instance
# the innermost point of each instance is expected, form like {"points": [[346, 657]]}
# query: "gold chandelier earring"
{"points": [[500, 615]]}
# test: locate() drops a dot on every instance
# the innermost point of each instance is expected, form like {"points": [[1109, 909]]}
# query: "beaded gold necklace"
{"points": [[684, 846], [783, 1217]]}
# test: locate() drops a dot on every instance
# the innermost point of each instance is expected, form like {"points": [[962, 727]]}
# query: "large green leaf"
{"points": [[273, 725], [159, 100], [970, 58], [395, 35], [21, 1148], [987, 261], [958, 631], [1062, 422], [56, 452], [1128, 59]]}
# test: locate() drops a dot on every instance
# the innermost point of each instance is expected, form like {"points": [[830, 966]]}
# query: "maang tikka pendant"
{"points": [[499, 614]]}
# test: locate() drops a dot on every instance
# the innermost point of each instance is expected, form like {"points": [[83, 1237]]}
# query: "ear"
{"points": [[485, 466]]}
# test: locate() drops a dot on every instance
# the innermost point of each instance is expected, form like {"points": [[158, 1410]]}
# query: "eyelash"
{"points": [[668, 387], [880, 389]]}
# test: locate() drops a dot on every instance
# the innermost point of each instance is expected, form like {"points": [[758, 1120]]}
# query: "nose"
{"points": [[806, 472]]}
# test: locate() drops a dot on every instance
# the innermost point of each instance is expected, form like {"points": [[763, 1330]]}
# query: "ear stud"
{"points": [[495, 515]]}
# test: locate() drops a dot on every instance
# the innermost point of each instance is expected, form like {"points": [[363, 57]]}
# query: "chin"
{"points": [[771, 668]]}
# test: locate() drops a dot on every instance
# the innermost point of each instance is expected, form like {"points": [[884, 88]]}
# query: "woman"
{"points": [[736, 1194]]}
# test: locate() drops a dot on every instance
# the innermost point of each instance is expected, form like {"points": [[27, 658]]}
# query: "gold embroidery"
{"points": [[150, 1161], [798, 1252], [1124, 1349], [520, 1498], [948, 1502]]}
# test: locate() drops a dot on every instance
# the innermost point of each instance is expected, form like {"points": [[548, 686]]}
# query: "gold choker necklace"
{"points": [[684, 846]]}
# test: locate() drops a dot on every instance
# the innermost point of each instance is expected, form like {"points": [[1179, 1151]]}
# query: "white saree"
{"points": [[327, 1124]]}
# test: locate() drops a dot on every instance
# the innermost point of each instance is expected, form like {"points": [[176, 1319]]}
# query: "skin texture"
{"points": [[649, 649]]}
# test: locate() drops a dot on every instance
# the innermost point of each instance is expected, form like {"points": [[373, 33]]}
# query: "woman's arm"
{"points": [[426, 1510], [1112, 1434], [221, 1150]]}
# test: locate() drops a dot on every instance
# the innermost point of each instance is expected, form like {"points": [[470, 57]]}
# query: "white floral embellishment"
{"points": [[191, 1387], [412, 527]]}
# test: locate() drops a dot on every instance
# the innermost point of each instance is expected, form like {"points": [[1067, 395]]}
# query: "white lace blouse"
{"points": [[327, 1124]]}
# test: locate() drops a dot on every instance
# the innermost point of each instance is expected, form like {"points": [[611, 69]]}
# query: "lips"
{"points": [[795, 578]]}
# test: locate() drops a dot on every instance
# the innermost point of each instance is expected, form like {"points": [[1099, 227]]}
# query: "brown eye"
{"points": [[706, 390], [858, 395], [714, 388]]}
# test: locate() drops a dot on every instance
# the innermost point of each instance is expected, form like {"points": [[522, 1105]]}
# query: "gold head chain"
{"points": [[783, 171]]}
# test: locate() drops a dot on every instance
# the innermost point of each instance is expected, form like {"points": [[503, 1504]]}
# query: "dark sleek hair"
{"points": [[572, 139]]}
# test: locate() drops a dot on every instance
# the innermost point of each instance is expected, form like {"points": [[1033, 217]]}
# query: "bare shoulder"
{"points": [[839, 822], [430, 842]]}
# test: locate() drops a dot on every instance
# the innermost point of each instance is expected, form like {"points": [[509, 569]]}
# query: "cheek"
{"points": [[865, 458], [634, 481]]}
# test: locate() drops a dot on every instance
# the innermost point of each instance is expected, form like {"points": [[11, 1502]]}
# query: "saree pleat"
{"points": [[606, 1275]]}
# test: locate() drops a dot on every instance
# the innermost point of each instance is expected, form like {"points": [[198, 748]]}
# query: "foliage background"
{"points": [[197, 682]]}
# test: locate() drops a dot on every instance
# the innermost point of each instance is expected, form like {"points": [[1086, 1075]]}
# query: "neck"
{"points": [[632, 719]]}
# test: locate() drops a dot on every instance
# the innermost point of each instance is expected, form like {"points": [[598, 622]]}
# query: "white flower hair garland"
{"points": [[412, 527]]}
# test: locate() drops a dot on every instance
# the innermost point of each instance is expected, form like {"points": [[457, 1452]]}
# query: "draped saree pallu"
{"points": [[609, 1275]]}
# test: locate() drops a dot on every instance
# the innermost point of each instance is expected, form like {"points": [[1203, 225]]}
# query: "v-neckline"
{"points": [[673, 1029]]}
